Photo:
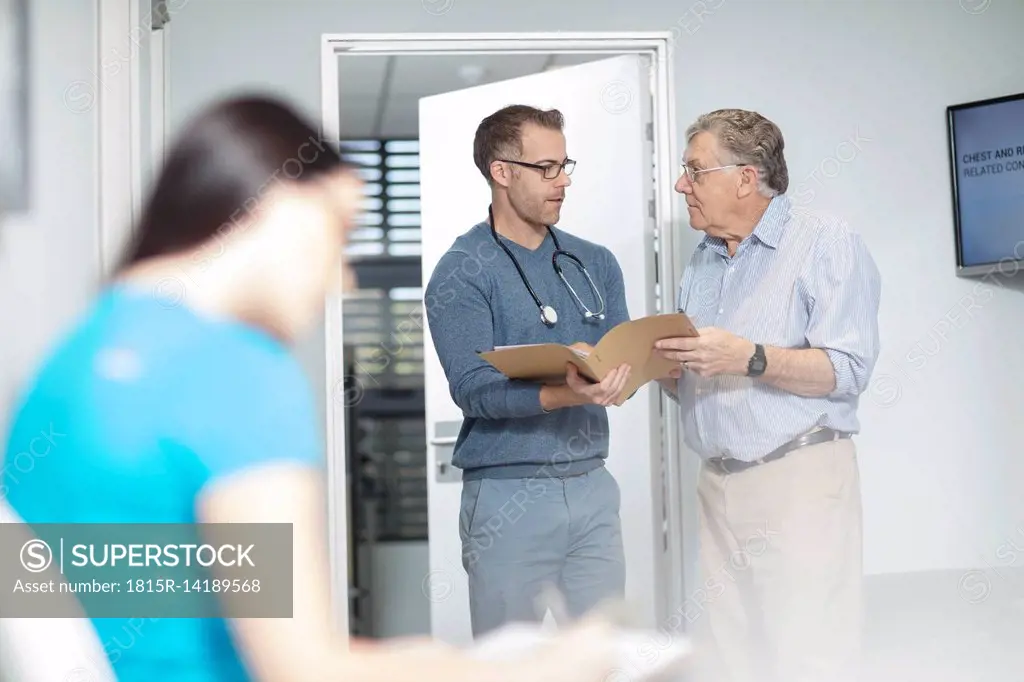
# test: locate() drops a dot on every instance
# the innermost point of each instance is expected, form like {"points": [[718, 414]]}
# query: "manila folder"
{"points": [[631, 342]]}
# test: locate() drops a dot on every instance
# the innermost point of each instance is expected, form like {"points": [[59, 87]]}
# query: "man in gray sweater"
{"points": [[538, 505]]}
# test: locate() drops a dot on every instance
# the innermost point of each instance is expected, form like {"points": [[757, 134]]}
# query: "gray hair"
{"points": [[748, 138]]}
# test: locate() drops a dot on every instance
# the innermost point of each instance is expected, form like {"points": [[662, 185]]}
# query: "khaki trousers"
{"points": [[780, 557]]}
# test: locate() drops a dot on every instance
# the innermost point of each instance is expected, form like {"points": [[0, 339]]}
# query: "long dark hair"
{"points": [[219, 168]]}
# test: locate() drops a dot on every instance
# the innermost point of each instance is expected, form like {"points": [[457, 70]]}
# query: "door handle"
{"points": [[446, 434]]}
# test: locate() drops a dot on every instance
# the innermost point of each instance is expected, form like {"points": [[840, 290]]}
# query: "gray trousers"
{"points": [[521, 534]]}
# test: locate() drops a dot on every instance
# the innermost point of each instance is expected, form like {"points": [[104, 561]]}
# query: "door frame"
{"points": [[117, 91], [673, 571]]}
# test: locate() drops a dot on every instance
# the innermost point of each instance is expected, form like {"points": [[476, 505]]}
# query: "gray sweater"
{"points": [[475, 300]]}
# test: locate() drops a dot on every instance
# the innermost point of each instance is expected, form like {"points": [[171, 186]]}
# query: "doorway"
{"points": [[384, 453]]}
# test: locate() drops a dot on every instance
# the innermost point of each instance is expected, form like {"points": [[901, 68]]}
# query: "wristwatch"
{"points": [[758, 362]]}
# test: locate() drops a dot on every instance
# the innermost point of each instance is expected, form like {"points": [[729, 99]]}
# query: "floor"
{"points": [[962, 626], [948, 626]]}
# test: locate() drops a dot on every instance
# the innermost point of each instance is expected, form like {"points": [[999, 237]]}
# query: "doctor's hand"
{"points": [[604, 393], [714, 351]]}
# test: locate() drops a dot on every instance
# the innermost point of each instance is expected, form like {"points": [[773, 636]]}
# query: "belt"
{"points": [[729, 465]]}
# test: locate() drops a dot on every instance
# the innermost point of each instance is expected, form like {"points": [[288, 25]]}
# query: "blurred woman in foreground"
{"points": [[177, 400]]}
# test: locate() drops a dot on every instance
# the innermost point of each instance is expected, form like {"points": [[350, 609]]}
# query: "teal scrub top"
{"points": [[139, 407]]}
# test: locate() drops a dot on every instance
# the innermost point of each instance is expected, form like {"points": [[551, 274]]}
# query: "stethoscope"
{"points": [[548, 315]]}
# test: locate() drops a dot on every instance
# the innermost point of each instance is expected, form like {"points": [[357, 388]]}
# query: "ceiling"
{"points": [[379, 95]]}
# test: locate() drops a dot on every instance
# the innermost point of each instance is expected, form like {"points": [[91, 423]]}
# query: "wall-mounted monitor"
{"points": [[986, 146]]}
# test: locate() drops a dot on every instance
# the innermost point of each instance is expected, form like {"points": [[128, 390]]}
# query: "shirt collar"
{"points": [[769, 228]]}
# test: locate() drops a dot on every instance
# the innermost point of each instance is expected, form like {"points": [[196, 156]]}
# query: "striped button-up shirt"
{"points": [[800, 280]]}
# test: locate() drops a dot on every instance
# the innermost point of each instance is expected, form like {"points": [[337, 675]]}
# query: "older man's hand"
{"points": [[674, 373], [714, 351]]}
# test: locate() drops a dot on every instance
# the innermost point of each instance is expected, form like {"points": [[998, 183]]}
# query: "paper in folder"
{"points": [[630, 342]]}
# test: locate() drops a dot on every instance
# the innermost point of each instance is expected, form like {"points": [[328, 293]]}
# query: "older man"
{"points": [[786, 302]]}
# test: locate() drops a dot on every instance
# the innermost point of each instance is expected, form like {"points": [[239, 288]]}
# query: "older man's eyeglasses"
{"points": [[691, 173], [549, 170]]}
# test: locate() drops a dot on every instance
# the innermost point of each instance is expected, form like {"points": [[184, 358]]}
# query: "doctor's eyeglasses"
{"points": [[550, 170]]}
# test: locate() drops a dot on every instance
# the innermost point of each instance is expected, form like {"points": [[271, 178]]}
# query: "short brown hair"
{"points": [[500, 135]]}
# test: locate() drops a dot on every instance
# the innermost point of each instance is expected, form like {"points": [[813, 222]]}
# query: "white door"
{"points": [[607, 107]]}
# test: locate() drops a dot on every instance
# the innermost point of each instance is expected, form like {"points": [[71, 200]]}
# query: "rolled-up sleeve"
{"points": [[846, 290]]}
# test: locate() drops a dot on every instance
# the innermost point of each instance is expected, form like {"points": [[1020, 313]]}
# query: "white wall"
{"points": [[49, 255], [859, 88]]}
